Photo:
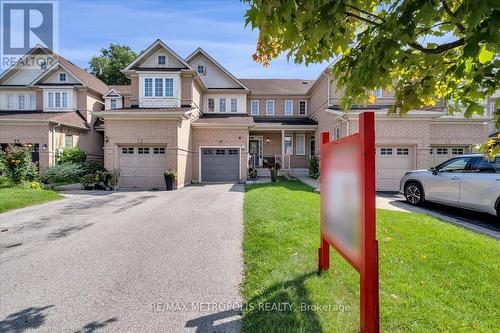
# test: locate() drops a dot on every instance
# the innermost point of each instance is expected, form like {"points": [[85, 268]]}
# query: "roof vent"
{"points": [[304, 82]]}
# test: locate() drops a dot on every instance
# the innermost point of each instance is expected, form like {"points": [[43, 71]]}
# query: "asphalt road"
{"points": [[124, 262]]}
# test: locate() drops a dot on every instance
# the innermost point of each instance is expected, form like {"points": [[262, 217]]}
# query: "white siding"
{"points": [[214, 77], [15, 99], [30, 70], [107, 103], [54, 78], [170, 60]]}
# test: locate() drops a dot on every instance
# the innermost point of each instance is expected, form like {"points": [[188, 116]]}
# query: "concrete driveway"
{"points": [[124, 262]]}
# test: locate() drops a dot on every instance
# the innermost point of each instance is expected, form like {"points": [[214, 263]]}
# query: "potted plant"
{"points": [[252, 174], [170, 177], [90, 180]]}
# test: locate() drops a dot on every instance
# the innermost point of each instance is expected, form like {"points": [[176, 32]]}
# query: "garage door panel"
{"points": [[142, 167], [391, 164], [220, 164]]}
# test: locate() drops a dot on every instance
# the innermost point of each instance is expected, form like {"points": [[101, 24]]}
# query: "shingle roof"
{"points": [[216, 119], [284, 121], [87, 79], [65, 118], [139, 110], [122, 89], [277, 86]]}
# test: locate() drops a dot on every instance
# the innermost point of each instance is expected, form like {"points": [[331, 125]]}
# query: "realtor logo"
{"points": [[25, 24]]}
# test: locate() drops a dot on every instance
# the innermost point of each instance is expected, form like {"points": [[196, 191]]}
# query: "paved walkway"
{"points": [[124, 262]]}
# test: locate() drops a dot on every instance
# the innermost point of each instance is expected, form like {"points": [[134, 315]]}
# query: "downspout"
{"points": [[54, 143]]}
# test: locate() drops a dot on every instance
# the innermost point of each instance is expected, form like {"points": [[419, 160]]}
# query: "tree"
{"points": [[424, 50], [107, 65]]}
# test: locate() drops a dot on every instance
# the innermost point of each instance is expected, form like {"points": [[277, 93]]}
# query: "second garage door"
{"points": [[220, 164], [392, 163], [142, 167]]}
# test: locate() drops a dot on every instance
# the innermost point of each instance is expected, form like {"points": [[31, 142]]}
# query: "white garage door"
{"points": [[441, 154], [142, 167], [391, 164]]}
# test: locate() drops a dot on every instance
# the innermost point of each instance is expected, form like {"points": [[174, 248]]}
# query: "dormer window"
{"points": [[62, 77], [201, 69], [161, 60]]}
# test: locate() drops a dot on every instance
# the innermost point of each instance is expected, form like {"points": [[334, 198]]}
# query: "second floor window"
{"points": [[201, 69], [234, 105], [62, 77], [21, 102], [112, 104], [255, 107], [161, 60], [302, 108], [270, 108], [58, 99], [158, 87], [169, 87], [288, 107], [222, 105], [211, 105], [148, 87], [378, 93]]}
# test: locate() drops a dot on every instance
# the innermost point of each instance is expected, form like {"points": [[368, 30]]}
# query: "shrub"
{"points": [[314, 166], [67, 172], [36, 185], [4, 180], [72, 155], [93, 167], [17, 165]]}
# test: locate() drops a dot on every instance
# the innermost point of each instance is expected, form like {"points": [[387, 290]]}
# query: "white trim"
{"points": [[200, 50], [274, 107], [109, 91], [291, 109], [258, 107], [150, 48], [283, 143], [49, 70], [305, 101], [223, 147]]}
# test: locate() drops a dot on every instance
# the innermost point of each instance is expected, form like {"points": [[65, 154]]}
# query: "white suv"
{"points": [[467, 181]]}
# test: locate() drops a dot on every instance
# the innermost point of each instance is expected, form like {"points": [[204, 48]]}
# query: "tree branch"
{"points": [[361, 18], [440, 48], [448, 10], [365, 12]]}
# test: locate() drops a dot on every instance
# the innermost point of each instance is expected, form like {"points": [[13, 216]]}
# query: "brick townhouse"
{"points": [[193, 116]]}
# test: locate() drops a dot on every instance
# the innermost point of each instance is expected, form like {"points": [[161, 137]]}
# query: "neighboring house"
{"points": [[47, 101], [419, 140], [194, 117]]}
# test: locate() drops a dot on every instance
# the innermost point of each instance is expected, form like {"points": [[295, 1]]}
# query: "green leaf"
{"points": [[468, 65], [485, 55]]}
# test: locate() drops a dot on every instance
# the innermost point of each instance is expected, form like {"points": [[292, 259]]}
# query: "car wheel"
{"points": [[414, 194]]}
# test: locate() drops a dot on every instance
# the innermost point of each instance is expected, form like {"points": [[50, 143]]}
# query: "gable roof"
{"points": [[199, 50], [71, 119], [80, 74], [150, 49], [278, 86], [125, 89]]}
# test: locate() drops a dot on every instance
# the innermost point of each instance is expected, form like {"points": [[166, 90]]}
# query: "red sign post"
{"points": [[348, 211]]}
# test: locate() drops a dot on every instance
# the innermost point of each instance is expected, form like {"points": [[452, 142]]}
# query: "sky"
{"points": [[216, 26]]}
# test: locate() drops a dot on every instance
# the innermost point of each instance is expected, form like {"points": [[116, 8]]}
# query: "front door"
{"points": [[255, 153]]}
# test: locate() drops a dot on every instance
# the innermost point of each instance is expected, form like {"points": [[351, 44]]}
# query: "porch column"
{"points": [[283, 148]]}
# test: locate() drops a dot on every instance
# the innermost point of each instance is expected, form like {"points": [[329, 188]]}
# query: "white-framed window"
{"points": [[302, 108], [143, 150], [255, 107], [442, 151], [10, 102], [64, 96], [288, 107], [201, 69], [270, 107], [62, 77], [161, 60], [158, 87], [336, 133], [378, 93], [211, 105], [148, 87], [68, 141], [112, 104], [32, 102], [457, 151], [234, 105], [222, 105], [21, 102], [288, 144], [169, 87], [51, 99], [300, 144]]}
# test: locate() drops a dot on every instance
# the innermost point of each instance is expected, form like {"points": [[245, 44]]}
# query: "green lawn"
{"points": [[434, 277], [14, 197]]}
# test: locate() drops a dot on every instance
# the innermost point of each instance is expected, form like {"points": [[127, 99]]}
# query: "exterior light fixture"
{"points": [[106, 139], [44, 146], [268, 140]]}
